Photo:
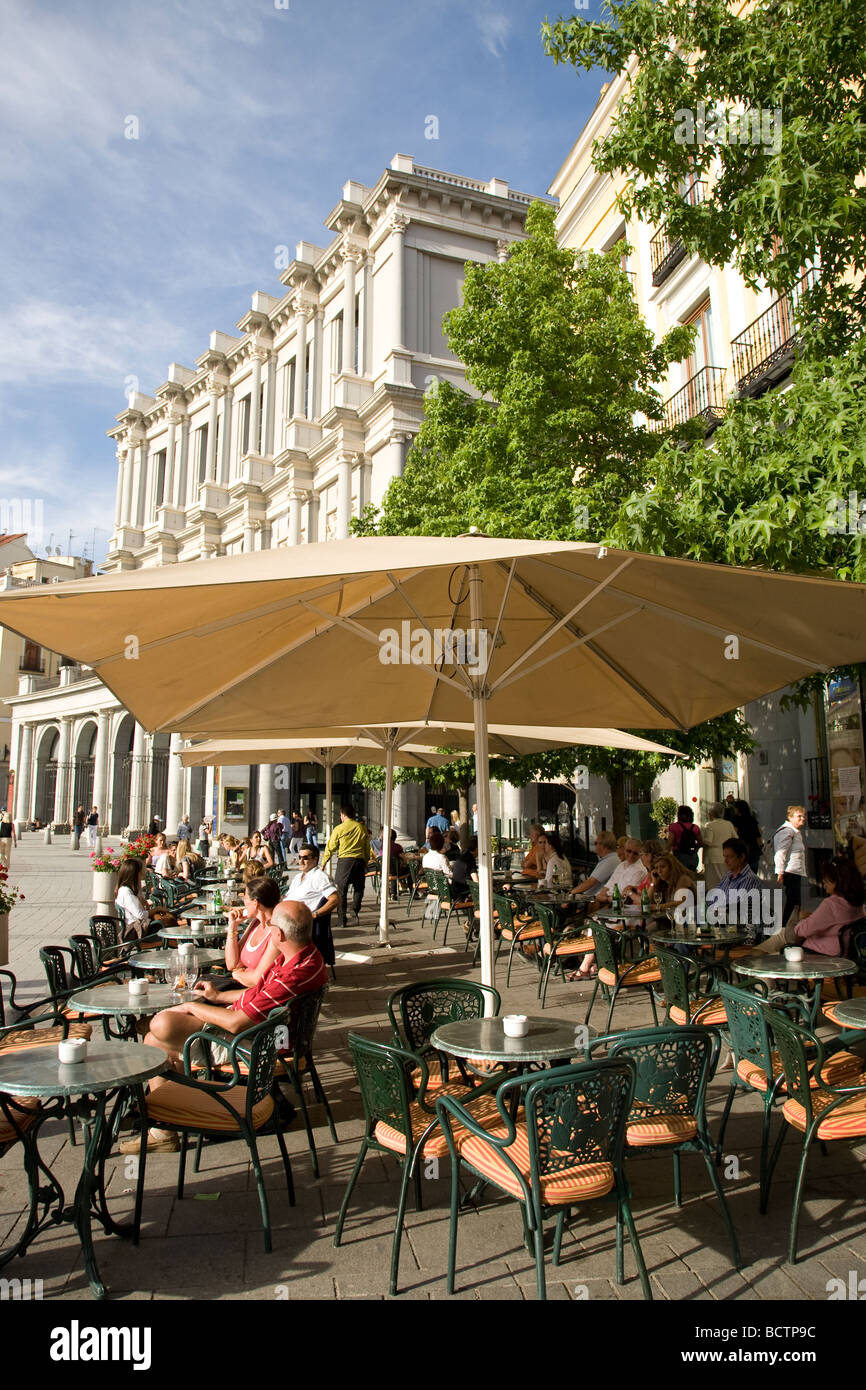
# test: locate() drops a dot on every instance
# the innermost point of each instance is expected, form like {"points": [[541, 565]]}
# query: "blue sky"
{"points": [[120, 255]]}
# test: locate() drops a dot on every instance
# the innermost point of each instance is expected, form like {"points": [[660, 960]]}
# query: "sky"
{"points": [[154, 157]]}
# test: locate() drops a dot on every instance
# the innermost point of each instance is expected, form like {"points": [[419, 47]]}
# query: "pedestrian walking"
{"points": [[789, 859], [350, 843], [93, 827], [78, 825], [8, 838]]}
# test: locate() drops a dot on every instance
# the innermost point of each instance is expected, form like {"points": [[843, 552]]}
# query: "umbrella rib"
{"points": [[552, 656], [512, 570], [602, 656], [556, 626], [398, 587], [371, 637]]}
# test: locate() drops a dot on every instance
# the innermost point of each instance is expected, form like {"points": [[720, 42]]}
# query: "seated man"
{"points": [[626, 875], [737, 897], [321, 895], [531, 866], [608, 860], [298, 969]]}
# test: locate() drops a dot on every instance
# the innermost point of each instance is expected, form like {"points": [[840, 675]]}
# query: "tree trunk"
{"points": [[617, 796]]}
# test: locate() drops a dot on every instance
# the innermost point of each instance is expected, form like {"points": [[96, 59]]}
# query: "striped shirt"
{"points": [[286, 979]]}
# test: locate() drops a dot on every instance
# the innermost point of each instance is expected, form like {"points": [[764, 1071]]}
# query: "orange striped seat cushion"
{"points": [[579, 946], [43, 1037], [485, 1113], [842, 1069], [578, 1183], [847, 1121], [829, 1012], [660, 1129], [182, 1107], [533, 929], [644, 972], [7, 1130], [716, 1014]]}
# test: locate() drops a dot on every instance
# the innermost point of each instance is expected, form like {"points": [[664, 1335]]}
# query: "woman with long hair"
{"points": [[669, 876], [827, 930], [251, 955], [133, 903]]}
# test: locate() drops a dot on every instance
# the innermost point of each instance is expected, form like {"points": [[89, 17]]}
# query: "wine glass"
{"points": [[192, 971]]}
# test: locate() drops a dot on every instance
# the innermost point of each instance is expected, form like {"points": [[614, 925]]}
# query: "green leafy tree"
{"points": [[767, 105]]}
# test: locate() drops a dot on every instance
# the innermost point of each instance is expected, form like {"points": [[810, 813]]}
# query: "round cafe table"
{"points": [[812, 968], [161, 960], [851, 1013], [116, 1001], [187, 934], [484, 1039], [111, 1072]]}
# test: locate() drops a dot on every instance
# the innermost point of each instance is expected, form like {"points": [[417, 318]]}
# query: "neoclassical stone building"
{"points": [[278, 435]]}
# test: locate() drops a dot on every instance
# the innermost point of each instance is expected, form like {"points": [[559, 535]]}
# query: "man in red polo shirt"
{"points": [[298, 969]]}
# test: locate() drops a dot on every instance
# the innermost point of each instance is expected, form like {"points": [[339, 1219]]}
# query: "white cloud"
{"points": [[495, 28], [43, 343]]}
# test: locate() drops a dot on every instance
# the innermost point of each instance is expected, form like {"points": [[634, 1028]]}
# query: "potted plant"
{"points": [[9, 896], [139, 848], [664, 813], [105, 864]]}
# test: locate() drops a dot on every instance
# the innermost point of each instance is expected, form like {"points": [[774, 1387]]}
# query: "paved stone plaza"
{"points": [[210, 1244]]}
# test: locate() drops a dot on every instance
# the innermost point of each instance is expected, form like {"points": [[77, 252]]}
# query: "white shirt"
{"points": [[605, 867], [434, 859], [134, 910], [161, 866], [563, 869], [789, 852], [310, 888], [624, 876]]}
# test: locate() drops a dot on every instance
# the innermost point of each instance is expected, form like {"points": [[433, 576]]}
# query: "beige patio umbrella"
{"points": [[465, 627], [392, 748]]}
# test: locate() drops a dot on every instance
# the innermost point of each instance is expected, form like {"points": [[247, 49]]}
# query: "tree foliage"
{"points": [[793, 197]]}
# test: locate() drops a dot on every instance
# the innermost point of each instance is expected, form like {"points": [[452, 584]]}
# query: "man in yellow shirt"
{"points": [[350, 843]]}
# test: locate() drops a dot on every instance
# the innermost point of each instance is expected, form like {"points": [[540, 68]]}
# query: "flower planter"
{"points": [[104, 893], [4, 938]]}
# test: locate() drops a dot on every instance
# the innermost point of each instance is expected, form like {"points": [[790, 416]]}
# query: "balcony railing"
{"points": [[666, 251], [765, 352], [702, 397]]}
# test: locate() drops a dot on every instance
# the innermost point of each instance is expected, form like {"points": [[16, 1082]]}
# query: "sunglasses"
{"points": [[305, 856]]}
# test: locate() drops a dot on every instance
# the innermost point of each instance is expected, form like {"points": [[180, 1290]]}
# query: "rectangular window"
{"points": [[702, 354], [289, 390], [244, 427], [307, 359], [337, 344], [357, 357], [201, 453], [159, 489], [260, 443]]}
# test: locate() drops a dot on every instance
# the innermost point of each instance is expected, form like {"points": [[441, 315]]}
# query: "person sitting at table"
{"points": [[626, 875], [665, 870], [669, 876], [531, 866], [451, 848], [252, 955], [434, 858], [321, 895], [464, 868], [298, 969], [718, 829], [131, 899], [621, 842], [166, 864], [557, 870], [258, 852], [187, 861], [826, 931], [649, 852], [160, 845], [608, 860]]}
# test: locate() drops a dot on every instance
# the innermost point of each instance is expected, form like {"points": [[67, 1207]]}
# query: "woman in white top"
{"points": [[716, 831], [130, 898], [557, 870], [434, 858]]}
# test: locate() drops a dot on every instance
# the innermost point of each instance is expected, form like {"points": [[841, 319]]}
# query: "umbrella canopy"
{"points": [[547, 630], [392, 748]]}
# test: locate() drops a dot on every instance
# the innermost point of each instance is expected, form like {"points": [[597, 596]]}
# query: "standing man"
{"points": [[78, 827], [298, 838], [789, 859], [350, 842], [437, 821], [273, 835], [92, 827], [184, 829]]}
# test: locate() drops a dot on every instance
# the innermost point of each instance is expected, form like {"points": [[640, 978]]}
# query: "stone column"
{"points": [[121, 486], [270, 404], [181, 498], [502, 249], [62, 789], [100, 766], [141, 512], [138, 784], [24, 773], [214, 393], [316, 365], [226, 438], [399, 223], [345, 463], [300, 357], [255, 404], [126, 498], [350, 260], [174, 787], [267, 796], [170, 450]]}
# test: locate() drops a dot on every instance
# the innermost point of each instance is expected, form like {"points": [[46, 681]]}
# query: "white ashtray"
{"points": [[197, 926], [515, 1025], [72, 1050], [139, 988], [793, 953], [186, 948]]}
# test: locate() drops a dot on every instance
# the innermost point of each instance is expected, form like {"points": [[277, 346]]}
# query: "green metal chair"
{"points": [[298, 1061], [399, 1121], [441, 887], [680, 977], [518, 934], [615, 974], [423, 1007], [418, 885], [561, 945], [568, 1149], [673, 1067], [240, 1106], [814, 1107]]}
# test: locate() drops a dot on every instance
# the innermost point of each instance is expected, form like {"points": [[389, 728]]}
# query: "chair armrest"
{"points": [[209, 1034], [447, 1107], [32, 1023]]}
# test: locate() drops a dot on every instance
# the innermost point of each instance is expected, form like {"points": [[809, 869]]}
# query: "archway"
{"points": [[82, 785], [46, 776], [121, 775]]}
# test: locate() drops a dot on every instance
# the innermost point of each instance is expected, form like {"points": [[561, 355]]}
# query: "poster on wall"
{"points": [[235, 803]]}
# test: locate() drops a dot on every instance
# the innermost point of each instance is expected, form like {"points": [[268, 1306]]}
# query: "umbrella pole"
{"points": [[386, 841], [482, 787], [329, 797]]}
